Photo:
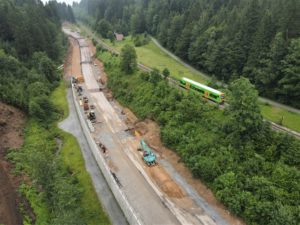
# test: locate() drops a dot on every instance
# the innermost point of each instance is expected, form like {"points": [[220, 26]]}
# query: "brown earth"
{"points": [[11, 137], [72, 63], [165, 182]]}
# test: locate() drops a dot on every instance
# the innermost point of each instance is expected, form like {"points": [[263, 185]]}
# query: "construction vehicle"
{"points": [[92, 116], [80, 79], [74, 80], [86, 106], [85, 103], [148, 156]]}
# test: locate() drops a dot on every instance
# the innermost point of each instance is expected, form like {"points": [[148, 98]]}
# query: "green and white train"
{"points": [[203, 90]]}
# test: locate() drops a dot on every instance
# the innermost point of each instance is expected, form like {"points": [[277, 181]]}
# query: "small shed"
{"points": [[119, 37]]}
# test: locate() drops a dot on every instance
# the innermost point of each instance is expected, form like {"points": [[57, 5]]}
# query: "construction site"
{"points": [[146, 179]]}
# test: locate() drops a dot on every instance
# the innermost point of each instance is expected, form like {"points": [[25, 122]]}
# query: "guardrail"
{"points": [[127, 209]]}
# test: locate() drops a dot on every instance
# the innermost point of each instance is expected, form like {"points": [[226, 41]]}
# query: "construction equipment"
{"points": [[148, 156], [74, 80], [85, 103], [92, 116], [79, 90]]}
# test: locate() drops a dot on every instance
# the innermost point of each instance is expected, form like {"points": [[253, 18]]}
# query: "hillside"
{"points": [[258, 39], [40, 184]]}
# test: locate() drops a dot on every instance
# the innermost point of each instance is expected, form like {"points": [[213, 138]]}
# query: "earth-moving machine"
{"points": [[148, 156]]}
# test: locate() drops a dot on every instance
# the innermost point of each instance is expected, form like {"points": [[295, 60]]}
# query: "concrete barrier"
{"points": [[127, 209]]}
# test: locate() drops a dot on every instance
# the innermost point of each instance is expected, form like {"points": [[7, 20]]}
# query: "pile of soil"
{"points": [[11, 137], [165, 182]]}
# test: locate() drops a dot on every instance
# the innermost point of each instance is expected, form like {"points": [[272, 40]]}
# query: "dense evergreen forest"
{"points": [[31, 48], [257, 39]]}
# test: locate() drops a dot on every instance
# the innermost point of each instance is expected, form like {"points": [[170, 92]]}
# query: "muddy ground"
{"points": [[11, 137]]}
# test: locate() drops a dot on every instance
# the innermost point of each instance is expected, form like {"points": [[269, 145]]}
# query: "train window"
{"points": [[199, 90], [194, 88], [213, 96]]}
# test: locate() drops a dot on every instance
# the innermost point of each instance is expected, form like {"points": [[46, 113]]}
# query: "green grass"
{"points": [[290, 120], [72, 157], [152, 56], [58, 98]]}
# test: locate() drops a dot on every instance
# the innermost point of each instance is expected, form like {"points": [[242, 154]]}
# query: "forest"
{"points": [[253, 170], [32, 46], [227, 39]]}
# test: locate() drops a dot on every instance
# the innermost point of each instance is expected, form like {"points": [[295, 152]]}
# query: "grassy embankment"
{"points": [[280, 116], [152, 56], [71, 158]]}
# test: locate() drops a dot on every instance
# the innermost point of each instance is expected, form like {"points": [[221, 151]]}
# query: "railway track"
{"points": [[175, 83]]}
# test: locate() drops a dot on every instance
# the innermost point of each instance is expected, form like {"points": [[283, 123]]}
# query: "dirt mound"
{"points": [[130, 117], [11, 129], [165, 182], [151, 132]]}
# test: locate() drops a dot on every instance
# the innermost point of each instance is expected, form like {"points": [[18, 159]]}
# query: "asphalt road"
{"points": [[72, 125]]}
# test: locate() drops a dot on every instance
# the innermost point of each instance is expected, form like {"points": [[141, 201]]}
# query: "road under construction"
{"points": [[154, 195]]}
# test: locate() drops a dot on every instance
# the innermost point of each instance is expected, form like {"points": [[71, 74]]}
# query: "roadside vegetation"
{"points": [[61, 191], [153, 57], [57, 187], [253, 170]]}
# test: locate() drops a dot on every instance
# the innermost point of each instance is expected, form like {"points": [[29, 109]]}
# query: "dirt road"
{"points": [[11, 130]]}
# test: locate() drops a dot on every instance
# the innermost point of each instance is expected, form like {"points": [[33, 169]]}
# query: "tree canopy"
{"points": [[128, 60]]}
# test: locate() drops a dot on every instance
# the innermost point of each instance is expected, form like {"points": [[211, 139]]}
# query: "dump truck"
{"points": [[148, 156], [86, 106], [85, 103]]}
